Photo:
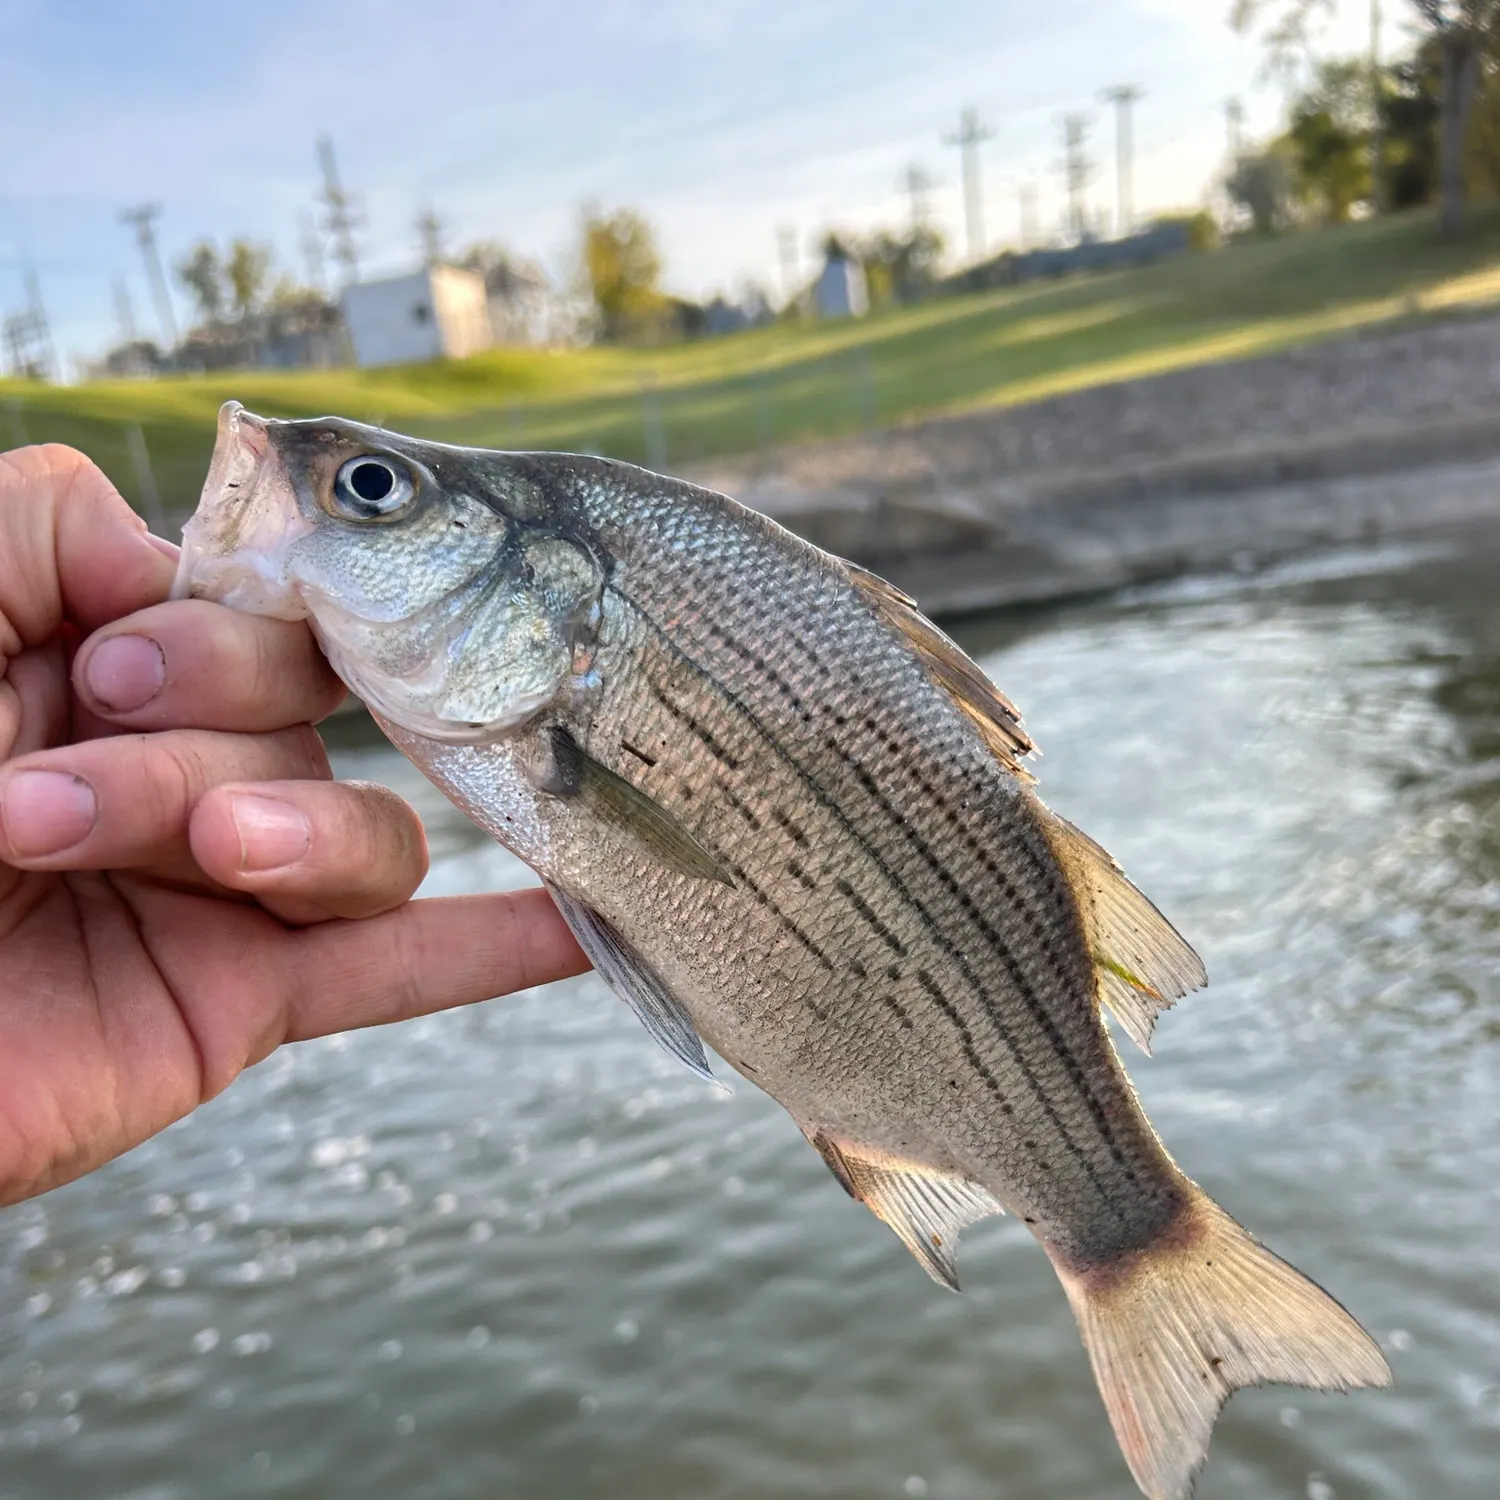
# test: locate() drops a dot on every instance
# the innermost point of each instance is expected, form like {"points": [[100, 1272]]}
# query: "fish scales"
{"points": [[922, 913], [784, 815]]}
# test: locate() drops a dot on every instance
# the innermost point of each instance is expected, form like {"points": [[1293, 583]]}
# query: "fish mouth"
{"points": [[235, 546]]}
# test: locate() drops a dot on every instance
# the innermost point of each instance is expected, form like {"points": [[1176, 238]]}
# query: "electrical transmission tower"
{"points": [[430, 236], [918, 184], [341, 215], [1234, 124], [28, 337], [1077, 170], [968, 140], [1123, 98], [1026, 194], [786, 254], [143, 219], [312, 251]]}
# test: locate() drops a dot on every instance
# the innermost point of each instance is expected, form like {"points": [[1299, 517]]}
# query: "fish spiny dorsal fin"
{"points": [[1144, 964], [994, 715], [924, 1205]]}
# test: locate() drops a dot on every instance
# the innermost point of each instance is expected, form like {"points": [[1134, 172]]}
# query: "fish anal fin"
{"points": [[1177, 1327], [1143, 963], [925, 1206], [994, 715], [635, 982]]}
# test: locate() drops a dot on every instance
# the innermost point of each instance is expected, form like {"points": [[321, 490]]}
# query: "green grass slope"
{"points": [[795, 382]]}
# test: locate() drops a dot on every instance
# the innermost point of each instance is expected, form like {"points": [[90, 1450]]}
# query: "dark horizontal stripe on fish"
{"points": [[871, 917], [1077, 1075], [739, 804], [950, 949], [965, 1036], [701, 731], [786, 922]]}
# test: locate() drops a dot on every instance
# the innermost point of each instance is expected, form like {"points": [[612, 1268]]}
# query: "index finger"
{"points": [[70, 548]]}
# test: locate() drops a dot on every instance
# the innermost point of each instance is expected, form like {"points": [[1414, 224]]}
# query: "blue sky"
{"points": [[720, 119]]}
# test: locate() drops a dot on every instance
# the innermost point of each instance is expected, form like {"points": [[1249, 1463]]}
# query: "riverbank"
{"points": [[1229, 465]]}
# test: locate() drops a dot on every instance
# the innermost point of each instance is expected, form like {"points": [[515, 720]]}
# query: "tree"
{"points": [[623, 269], [900, 267], [1329, 137], [1261, 183], [202, 273], [247, 269], [1466, 32], [1287, 37]]}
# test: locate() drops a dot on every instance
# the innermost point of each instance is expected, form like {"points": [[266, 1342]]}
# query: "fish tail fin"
{"points": [[1174, 1329]]}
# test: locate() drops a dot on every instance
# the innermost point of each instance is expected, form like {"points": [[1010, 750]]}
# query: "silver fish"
{"points": [[786, 816]]}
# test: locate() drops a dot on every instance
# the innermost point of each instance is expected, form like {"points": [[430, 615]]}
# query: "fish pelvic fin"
{"points": [[925, 1206], [1144, 965], [618, 964], [1174, 1329]]}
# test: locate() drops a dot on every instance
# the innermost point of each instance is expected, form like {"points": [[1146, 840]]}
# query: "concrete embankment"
{"points": [[1229, 465]]}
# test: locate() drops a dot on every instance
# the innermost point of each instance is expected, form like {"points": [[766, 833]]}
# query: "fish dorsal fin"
{"points": [[924, 1205], [563, 768], [635, 982], [994, 715], [1144, 964]]}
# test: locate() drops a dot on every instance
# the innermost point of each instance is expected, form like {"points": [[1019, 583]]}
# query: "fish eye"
{"points": [[369, 488]]}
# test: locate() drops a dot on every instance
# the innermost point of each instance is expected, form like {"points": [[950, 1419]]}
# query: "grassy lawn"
{"points": [[792, 382]]}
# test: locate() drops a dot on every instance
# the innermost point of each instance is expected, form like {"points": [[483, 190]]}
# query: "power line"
{"points": [[1123, 97], [143, 219], [1077, 170], [971, 134], [341, 214]]}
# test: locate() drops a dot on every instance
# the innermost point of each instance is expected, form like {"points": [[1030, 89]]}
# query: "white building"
{"points": [[439, 312], [840, 291]]}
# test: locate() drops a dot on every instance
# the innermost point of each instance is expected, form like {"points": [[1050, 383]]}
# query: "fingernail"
{"points": [[126, 672], [42, 812], [272, 834]]}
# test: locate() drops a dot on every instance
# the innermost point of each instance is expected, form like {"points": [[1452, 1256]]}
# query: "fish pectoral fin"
{"points": [[1144, 964], [994, 715], [635, 982], [925, 1206], [565, 769]]}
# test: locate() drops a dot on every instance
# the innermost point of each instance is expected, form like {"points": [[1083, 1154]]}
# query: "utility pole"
{"points": [[1026, 193], [341, 214], [786, 254], [970, 135], [1077, 169], [1123, 98], [1234, 122], [918, 184], [1377, 141], [142, 219]]}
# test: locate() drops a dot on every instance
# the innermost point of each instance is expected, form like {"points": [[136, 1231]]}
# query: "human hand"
{"points": [[183, 887]]}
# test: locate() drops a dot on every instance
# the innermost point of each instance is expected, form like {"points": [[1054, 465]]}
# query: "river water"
{"points": [[516, 1252]]}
